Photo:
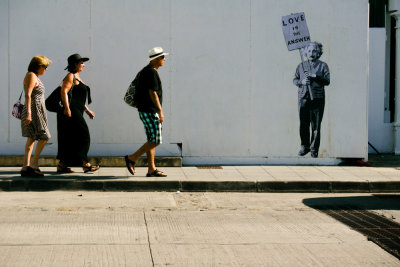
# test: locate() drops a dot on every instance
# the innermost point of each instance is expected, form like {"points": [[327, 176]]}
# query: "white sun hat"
{"points": [[156, 52]]}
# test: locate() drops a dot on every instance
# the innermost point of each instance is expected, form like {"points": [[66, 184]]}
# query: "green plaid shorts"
{"points": [[152, 126]]}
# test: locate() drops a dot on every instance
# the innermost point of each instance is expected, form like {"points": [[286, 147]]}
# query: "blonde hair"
{"points": [[37, 62]]}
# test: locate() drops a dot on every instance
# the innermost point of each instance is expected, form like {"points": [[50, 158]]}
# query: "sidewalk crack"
{"points": [[148, 237]]}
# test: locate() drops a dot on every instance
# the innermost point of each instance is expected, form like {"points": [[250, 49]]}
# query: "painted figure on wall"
{"points": [[311, 77]]}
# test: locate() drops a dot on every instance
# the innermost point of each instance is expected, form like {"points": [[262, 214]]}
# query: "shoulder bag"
{"points": [[18, 107], [53, 101], [131, 95]]}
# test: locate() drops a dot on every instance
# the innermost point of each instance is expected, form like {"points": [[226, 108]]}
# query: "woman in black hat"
{"points": [[72, 130]]}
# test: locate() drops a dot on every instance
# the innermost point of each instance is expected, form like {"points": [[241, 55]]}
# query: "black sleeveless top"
{"points": [[72, 132], [78, 96]]}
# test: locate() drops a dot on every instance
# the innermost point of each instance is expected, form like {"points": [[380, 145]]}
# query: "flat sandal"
{"points": [[90, 168], [156, 173], [130, 164], [63, 169]]}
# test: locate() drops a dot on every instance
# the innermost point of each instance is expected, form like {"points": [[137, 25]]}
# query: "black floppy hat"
{"points": [[75, 58]]}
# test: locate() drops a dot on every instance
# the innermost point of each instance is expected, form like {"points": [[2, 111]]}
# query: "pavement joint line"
{"points": [[148, 237]]}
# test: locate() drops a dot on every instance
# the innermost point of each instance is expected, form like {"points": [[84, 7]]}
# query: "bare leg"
{"points": [[39, 148], [150, 160], [28, 152], [144, 149], [152, 170]]}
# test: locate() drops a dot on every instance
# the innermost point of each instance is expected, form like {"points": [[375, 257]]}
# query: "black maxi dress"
{"points": [[72, 132]]}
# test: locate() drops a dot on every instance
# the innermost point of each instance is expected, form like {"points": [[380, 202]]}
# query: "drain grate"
{"points": [[209, 167], [378, 229]]}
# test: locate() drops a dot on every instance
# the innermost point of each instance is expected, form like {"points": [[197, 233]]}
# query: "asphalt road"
{"points": [[185, 229]]}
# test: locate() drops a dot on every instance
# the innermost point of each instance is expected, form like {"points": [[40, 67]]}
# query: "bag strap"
{"points": [[21, 94], [23, 89], [73, 81]]}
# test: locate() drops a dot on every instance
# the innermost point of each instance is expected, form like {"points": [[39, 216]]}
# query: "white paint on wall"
{"points": [[380, 134], [228, 91]]}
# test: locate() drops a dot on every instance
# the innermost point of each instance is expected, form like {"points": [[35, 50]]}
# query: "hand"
{"points": [[67, 112], [161, 114], [90, 113], [28, 119], [305, 81], [311, 77]]}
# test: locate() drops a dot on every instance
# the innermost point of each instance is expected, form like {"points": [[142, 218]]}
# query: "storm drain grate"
{"points": [[378, 229], [209, 167]]}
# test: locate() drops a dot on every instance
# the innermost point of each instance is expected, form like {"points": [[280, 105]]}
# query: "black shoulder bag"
{"points": [[53, 101]]}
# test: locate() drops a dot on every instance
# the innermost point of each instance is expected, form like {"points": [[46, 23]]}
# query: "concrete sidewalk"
{"points": [[69, 228], [344, 179]]}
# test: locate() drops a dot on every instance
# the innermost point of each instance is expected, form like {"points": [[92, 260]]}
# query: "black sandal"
{"points": [[90, 168], [31, 172], [64, 169], [38, 171], [130, 164], [24, 173], [156, 173]]}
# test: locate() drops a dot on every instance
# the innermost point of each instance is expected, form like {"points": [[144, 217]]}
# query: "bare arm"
{"points": [[156, 102], [66, 86], [30, 82], [89, 112]]}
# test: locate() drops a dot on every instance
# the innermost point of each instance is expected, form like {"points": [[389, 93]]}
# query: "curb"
{"points": [[36, 184], [51, 161]]}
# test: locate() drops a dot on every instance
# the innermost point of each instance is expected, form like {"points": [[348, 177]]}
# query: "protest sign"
{"points": [[296, 35], [295, 31]]}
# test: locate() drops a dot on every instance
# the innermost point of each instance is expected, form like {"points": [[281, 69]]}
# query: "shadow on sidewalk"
{"points": [[374, 202], [15, 176], [353, 212], [384, 160]]}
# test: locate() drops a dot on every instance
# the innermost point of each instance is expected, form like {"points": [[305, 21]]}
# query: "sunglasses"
{"points": [[44, 66]]}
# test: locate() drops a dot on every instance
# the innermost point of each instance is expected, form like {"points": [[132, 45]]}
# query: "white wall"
{"points": [[4, 77], [228, 92], [380, 134]]}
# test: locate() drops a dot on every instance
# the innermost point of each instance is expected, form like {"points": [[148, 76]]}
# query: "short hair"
{"points": [[37, 62], [318, 46]]}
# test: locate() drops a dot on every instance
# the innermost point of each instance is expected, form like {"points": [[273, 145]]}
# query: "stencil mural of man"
{"points": [[311, 77]]}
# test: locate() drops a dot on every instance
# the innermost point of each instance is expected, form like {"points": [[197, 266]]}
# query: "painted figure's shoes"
{"points": [[303, 151]]}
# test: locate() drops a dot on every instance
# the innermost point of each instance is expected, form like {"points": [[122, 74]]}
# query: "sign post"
{"points": [[296, 35]]}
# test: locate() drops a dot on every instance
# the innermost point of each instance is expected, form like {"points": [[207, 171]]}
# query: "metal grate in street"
{"points": [[378, 229]]}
